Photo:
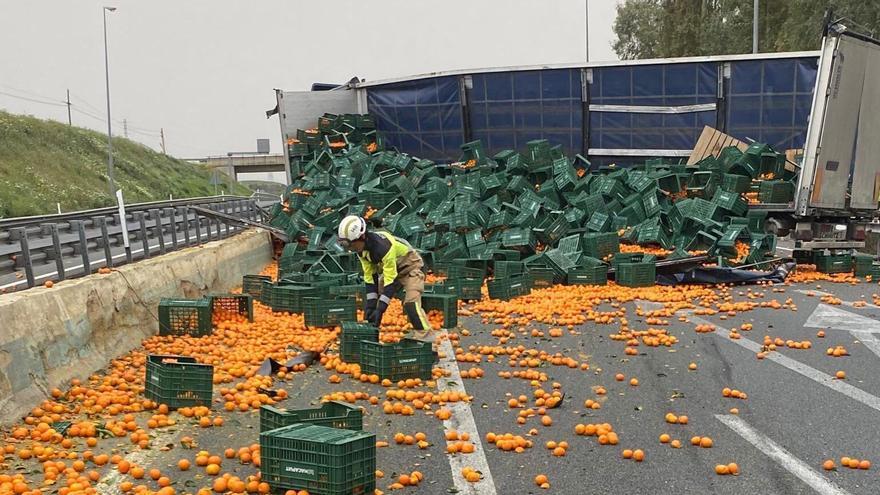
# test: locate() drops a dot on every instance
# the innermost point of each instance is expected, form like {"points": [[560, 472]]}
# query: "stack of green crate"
{"points": [[318, 459], [523, 202]]}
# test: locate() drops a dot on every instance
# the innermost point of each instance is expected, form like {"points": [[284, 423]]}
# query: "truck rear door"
{"points": [[841, 168]]}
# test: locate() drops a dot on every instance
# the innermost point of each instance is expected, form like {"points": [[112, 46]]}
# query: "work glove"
{"points": [[372, 298], [375, 318]]}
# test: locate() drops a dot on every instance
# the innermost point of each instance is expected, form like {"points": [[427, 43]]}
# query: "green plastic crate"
{"points": [[321, 460], [503, 269], [408, 358], [509, 287], [357, 291], [540, 278], [332, 414], [641, 274], [776, 191], [350, 339], [458, 269], [225, 305], [253, 284], [736, 183], [178, 381], [290, 297], [833, 263], [863, 265], [599, 222], [469, 288], [445, 303], [589, 275], [321, 312], [601, 244], [518, 238], [185, 317]]}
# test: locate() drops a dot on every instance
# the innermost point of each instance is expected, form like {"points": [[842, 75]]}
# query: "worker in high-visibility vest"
{"points": [[389, 263]]}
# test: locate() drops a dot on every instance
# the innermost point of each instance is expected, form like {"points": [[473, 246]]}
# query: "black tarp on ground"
{"points": [[726, 275]]}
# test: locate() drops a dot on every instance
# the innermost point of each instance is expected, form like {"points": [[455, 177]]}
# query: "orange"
{"points": [[627, 454], [541, 479], [220, 485], [183, 465]]}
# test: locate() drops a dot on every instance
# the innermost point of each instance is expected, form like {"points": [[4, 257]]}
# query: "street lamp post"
{"points": [[109, 119], [755, 11], [587, 28]]}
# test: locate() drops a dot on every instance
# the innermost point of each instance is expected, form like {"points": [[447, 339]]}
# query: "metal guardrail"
{"points": [[8, 223], [59, 247]]}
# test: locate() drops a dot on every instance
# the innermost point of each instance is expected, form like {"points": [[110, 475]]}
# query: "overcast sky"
{"points": [[204, 70]]}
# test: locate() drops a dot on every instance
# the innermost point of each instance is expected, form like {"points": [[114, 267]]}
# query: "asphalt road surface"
{"points": [[796, 415]]}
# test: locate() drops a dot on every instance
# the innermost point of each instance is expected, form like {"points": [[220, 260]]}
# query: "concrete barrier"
{"points": [[49, 336]]}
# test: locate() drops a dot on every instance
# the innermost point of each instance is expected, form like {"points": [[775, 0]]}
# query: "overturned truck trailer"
{"points": [[624, 112]]}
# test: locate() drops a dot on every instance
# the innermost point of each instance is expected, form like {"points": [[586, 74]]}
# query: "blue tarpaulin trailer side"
{"points": [[612, 112]]}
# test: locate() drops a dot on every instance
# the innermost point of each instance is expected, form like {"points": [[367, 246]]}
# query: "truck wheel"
{"points": [[774, 226]]}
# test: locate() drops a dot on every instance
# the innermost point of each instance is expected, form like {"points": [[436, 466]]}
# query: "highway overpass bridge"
{"points": [[237, 163]]}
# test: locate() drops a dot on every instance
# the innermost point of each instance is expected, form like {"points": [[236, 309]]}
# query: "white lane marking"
{"points": [[869, 340], [782, 457], [91, 262], [798, 367], [462, 420], [649, 305], [851, 304], [827, 316], [860, 327]]}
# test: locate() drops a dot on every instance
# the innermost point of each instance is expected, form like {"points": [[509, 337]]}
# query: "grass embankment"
{"points": [[44, 162]]}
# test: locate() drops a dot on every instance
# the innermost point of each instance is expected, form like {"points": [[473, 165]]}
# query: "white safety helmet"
{"points": [[352, 228]]}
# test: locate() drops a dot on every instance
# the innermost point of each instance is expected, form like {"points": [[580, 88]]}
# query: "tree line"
{"points": [[680, 28]]}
